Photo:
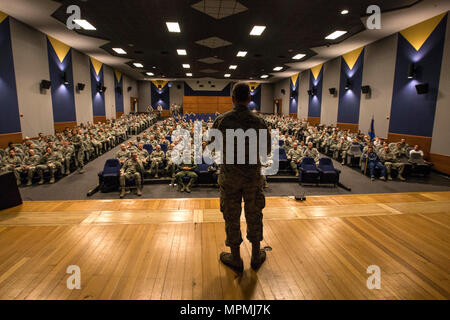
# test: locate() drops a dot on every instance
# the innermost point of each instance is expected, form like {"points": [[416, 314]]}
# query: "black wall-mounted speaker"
{"points": [[422, 88], [45, 84], [294, 93], [80, 86], [333, 91], [366, 89], [178, 86], [129, 89], [283, 91]]}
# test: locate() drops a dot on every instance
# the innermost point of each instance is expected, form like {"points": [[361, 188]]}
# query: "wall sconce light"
{"points": [[347, 84], [65, 78], [101, 88], [411, 71]]}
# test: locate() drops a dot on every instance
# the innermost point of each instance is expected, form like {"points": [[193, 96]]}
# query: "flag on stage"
{"points": [[372, 129]]}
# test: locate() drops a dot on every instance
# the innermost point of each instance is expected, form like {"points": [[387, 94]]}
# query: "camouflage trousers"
{"points": [[396, 165], [232, 190], [191, 174], [130, 175]]}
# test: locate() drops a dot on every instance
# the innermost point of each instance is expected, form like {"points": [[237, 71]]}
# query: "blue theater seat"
{"points": [[149, 148], [109, 176], [308, 172], [328, 174]]}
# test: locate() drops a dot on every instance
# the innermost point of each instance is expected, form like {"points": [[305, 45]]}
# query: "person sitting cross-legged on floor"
{"points": [[132, 169], [374, 162], [187, 168]]}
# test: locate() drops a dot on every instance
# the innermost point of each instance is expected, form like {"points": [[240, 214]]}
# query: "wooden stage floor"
{"points": [[168, 249]]}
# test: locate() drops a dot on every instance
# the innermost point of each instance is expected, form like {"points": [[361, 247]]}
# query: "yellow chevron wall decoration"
{"points": [[60, 48], [253, 85], [118, 75], [419, 33], [97, 65], [294, 79], [3, 16], [351, 57], [316, 70], [161, 83]]}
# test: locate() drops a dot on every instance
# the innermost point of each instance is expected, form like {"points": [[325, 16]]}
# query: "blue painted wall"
{"points": [[188, 91], [350, 100], [63, 100], [160, 96], [118, 95], [9, 106], [98, 99], [315, 102], [293, 96], [412, 113]]}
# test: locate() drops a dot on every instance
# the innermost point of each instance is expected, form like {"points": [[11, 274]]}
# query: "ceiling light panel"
{"points": [[233, 67], [181, 52], [173, 26], [298, 56], [277, 68], [84, 24], [257, 30], [119, 51], [138, 65], [241, 54], [335, 35], [186, 66]]}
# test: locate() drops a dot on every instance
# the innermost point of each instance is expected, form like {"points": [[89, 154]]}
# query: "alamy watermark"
{"points": [[374, 280]]}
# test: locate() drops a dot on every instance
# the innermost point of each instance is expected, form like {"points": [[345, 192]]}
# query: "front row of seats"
{"points": [[323, 173]]}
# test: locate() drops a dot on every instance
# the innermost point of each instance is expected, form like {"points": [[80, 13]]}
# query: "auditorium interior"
{"points": [[354, 92]]}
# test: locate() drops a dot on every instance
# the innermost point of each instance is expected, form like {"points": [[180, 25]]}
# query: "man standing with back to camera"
{"points": [[239, 181]]}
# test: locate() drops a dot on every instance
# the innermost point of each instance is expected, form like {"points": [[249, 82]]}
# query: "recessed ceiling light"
{"points": [[298, 56], [241, 53], [264, 76], [344, 12], [84, 24], [181, 52], [227, 75], [150, 74], [233, 67], [138, 65], [119, 51], [186, 66], [188, 74], [173, 26], [335, 35], [257, 30], [277, 68]]}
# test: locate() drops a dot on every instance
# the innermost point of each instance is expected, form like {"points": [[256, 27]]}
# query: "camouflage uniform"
{"points": [[123, 156], [34, 164], [53, 162], [14, 164], [157, 157], [67, 153], [239, 181], [313, 153], [389, 160], [294, 155], [77, 142], [131, 170], [186, 173]]}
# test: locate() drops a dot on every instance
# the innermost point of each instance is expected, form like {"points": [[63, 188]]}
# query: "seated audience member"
{"points": [[77, 142], [341, 150], [53, 161], [294, 156], [390, 161], [170, 167], [374, 162], [143, 155], [31, 165], [416, 150], [123, 154], [311, 152], [156, 158], [132, 169], [186, 169], [13, 163]]}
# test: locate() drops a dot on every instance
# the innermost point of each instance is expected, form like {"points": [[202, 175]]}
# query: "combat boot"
{"points": [[401, 177], [257, 261], [139, 190], [81, 171], [19, 182], [41, 181], [296, 173], [156, 174], [182, 186], [228, 260], [389, 177], [52, 179], [188, 187], [383, 178], [122, 192], [29, 183]]}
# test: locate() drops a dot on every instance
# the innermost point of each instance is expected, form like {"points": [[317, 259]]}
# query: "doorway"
{"points": [[134, 104], [277, 105]]}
